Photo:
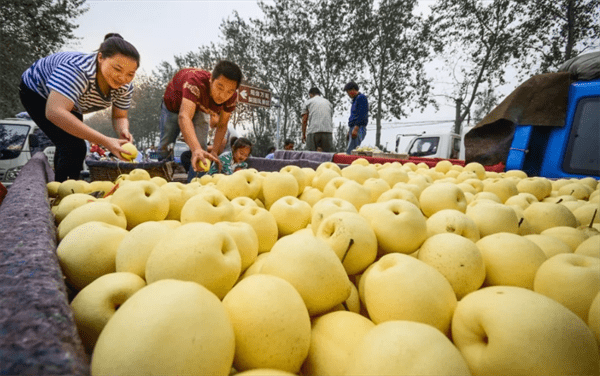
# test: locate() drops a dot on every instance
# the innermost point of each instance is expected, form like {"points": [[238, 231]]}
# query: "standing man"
{"points": [[317, 116], [191, 98], [359, 116]]}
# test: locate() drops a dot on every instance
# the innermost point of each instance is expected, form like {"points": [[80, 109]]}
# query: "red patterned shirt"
{"points": [[194, 84]]}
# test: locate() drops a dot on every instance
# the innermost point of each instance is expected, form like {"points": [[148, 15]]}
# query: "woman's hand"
{"points": [[125, 135], [114, 145]]}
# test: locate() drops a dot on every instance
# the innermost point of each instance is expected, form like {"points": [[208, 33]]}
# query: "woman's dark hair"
{"points": [[314, 91], [229, 70], [115, 44], [240, 143], [271, 149]]}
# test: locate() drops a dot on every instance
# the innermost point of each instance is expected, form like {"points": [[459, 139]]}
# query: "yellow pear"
{"points": [[477, 168], [69, 203], [510, 259], [570, 279], [351, 238], [457, 258], [277, 185], [376, 187], [399, 193], [242, 202], [405, 348], [544, 215], [333, 185], [327, 206], [399, 225], [311, 266], [587, 214], [569, 235], [353, 192], [311, 195], [141, 201], [102, 186], [99, 211], [88, 252], [536, 186], [69, 187], [550, 245], [594, 318], [359, 172], [291, 214], [158, 180], [333, 337], [507, 330], [97, 302], [52, 188], [297, 173], [454, 222], [167, 328], [209, 207], [394, 289], [324, 175], [589, 247], [492, 218], [245, 238], [309, 174], [135, 248], [578, 190], [523, 200], [131, 149], [263, 223], [175, 194], [270, 322], [199, 252], [139, 174], [393, 175], [442, 196], [242, 183]]}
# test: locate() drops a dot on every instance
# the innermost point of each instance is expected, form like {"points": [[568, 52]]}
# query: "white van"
{"points": [[14, 147], [17, 144]]}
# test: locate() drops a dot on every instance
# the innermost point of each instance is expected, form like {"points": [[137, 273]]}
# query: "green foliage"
{"points": [[393, 45], [30, 30]]}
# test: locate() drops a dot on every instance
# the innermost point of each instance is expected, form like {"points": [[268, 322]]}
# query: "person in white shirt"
{"points": [[317, 122]]}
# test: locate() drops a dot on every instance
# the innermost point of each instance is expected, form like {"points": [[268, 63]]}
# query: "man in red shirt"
{"points": [[191, 98]]}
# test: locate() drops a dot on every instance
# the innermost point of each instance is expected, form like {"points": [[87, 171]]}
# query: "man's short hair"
{"points": [[351, 86], [314, 91], [288, 142], [229, 70]]}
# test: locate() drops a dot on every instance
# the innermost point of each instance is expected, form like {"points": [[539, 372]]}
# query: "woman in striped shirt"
{"points": [[57, 90]]}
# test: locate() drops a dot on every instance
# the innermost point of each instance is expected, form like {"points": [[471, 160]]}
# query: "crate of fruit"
{"points": [[110, 170]]}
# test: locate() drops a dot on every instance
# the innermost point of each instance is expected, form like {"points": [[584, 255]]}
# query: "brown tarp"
{"points": [[539, 101]]}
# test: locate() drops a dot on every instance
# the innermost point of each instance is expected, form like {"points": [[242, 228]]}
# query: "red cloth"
{"points": [[431, 162], [194, 84], [97, 149], [3, 192]]}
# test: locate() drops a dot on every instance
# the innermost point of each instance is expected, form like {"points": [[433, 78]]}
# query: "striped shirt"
{"points": [[73, 74]]}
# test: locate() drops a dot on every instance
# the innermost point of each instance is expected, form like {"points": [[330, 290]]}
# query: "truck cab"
{"points": [[438, 145], [16, 137], [571, 151]]}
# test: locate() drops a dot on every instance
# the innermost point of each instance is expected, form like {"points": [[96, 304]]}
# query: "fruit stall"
{"points": [[307, 264]]}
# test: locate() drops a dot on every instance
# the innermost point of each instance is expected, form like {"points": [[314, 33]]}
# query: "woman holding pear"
{"points": [[58, 89]]}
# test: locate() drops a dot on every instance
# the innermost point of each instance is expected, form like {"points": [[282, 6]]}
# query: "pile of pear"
{"points": [[370, 269]]}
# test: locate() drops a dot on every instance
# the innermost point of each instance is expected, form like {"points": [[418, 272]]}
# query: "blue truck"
{"points": [[571, 151]]}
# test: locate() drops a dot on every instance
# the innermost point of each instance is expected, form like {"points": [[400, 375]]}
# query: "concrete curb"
{"points": [[38, 335]]}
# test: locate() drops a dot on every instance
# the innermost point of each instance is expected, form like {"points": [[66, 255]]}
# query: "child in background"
{"points": [[235, 159]]}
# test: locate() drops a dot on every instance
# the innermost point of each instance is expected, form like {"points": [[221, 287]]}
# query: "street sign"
{"points": [[254, 96]]}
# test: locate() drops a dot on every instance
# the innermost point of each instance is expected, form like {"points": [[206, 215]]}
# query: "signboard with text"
{"points": [[254, 96]]}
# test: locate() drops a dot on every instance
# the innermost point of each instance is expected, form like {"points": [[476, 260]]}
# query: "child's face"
{"points": [[241, 154]]}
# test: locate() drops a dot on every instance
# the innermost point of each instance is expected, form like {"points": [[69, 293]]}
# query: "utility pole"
{"points": [[277, 105]]}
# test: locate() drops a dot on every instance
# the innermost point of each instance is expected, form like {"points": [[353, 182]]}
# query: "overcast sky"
{"points": [[161, 29]]}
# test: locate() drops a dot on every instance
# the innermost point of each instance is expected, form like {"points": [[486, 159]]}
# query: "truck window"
{"points": [[12, 139], [583, 149], [424, 146]]}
